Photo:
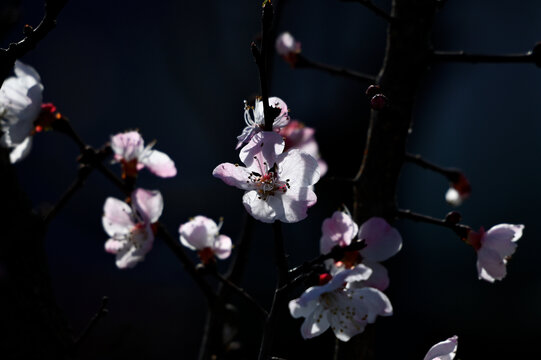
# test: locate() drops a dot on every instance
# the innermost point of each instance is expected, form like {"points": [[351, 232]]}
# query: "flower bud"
{"points": [[378, 102]]}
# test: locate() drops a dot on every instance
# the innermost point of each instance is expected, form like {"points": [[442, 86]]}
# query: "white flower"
{"points": [[131, 229], [255, 122], [345, 310], [130, 151], [494, 247], [445, 350], [202, 234], [286, 44], [20, 106], [277, 184]]}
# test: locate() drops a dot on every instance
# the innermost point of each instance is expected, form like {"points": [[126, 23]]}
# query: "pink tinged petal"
{"points": [[375, 302], [490, 265], [315, 324], [262, 149], [379, 278], [222, 247], [233, 175], [113, 246], [117, 218], [148, 203], [21, 151], [295, 204], [382, 240], [299, 167], [445, 350], [502, 238], [297, 310], [159, 163], [283, 118], [130, 255], [128, 145], [266, 211], [198, 233], [339, 230]]}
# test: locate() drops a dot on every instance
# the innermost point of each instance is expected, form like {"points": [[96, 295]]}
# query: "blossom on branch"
{"points": [[131, 228], [255, 122], [278, 184], [494, 247], [130, 151], [459, 191], [20, 105], [202, 234], [444, 350], [382, 242], [345, 310], [288, 48], [298, 136]]}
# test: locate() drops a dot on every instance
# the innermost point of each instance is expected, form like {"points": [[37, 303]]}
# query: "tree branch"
{"points": [[453, 175], [533, 57], [102, 311], [460, 229], [303, 62]]}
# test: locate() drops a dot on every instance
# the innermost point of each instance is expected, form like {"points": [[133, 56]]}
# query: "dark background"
{"points": [[179, 71]]}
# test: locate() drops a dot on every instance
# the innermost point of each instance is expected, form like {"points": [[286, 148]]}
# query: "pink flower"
{"points": [[256, 123], [345, 310], [131, 228], [382, 242], [288, 48], [494, 247], [277, 184], [458, 191], [20, 105], [131, 152], [298, 136], [445, 350], [202, 234]]}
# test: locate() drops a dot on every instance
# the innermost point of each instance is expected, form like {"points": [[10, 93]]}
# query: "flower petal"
{"points": [[445, 350], [198, 233], [21, 150], [297, 310], [159, 163], [295, 204], [222, 247], [382, 240], [234, 175], [263, 210], [490, 265], [376, 303], [299, 167], [261, 152], [340, 229], [316, 323], [148, 203], [128, 145], [117, 217]]}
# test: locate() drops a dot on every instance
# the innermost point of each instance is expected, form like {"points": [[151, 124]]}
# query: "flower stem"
{"points": [[304, 62], [460, 229], [452, 175]]}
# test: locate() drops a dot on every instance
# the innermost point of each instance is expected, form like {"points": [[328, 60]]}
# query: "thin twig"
{"points": [[460, 229], [461, 56], [102, 311], [32, 37], [372, 7], [453, 175], [174, 245], [304, 62], [241, 292], [82, 174]]}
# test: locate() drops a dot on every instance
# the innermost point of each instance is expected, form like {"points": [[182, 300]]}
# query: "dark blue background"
{"points": [[179, 71]]}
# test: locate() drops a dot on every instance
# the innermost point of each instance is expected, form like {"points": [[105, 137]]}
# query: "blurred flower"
{"points": [[459, 191], [494, 247], [256, 123], [130, 151], [277, 184], [345, 310], [445, 350], [288, 48], [131, 228], [20, 105], [298, 136], [382, 242], [202, 234]]}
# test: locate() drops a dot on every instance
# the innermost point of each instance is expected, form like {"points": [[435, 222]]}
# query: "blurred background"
{"points": [[179, 71]]}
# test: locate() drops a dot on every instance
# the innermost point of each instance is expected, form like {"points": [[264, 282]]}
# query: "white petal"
{"points": [[117, 217], [261, 152], [375, 302], [299, 167], [315, 323], [445, 350], [222, 247], [452, 196], [233, 175], [297, 310], [148, 203], [159, 163], [263, 210], [382, 240], [20, 151]]}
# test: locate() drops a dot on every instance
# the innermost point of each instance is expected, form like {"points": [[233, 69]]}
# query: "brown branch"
{"points": [[460, 229], [453, 175], [31, 39], [533, 57], [303, 62], [372, 7], [102, 312]]}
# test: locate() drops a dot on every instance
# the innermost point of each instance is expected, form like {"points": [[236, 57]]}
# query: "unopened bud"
{"points": [[453, 217], [378, 102], [28, 30], [372, 91]]}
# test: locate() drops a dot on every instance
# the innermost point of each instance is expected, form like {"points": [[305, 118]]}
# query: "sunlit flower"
{"points": [[298, 136], [254, 118], [382, 242], [131, 228], [202, 234], [20, 105], [458, 191], [288, 47], [445, 350], [130, 151], [345, 310], [277, 184], [494, 247]]}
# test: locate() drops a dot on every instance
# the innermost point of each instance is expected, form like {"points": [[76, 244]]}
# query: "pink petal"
{"points": [[117, 217], [128, 145], [159, 164], [382, 240], [380, 276], [445, 350], [340, 229], [198, 233], [376, 303], [299, 167], [233, 175], [113, 246], [222, 247], [260, 153], [148, 203], [490, 265]]}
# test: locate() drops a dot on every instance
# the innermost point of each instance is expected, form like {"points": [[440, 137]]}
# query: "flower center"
{"points": [[267, 183]]}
